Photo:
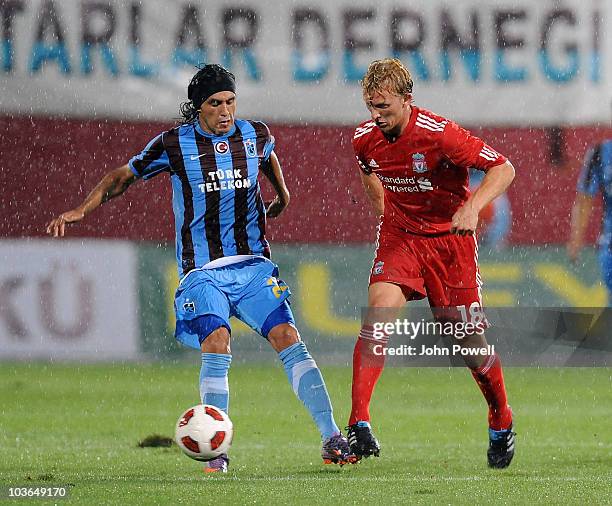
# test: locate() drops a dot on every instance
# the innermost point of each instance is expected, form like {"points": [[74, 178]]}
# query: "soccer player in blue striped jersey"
{"points": [[596, 177], [223, 257]]}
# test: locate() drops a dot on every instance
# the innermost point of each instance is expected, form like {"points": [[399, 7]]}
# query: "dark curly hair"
{"points": [[207, 81]]}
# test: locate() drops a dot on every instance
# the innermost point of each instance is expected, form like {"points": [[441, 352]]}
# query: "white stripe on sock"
{"points": [[214, 385], [299, 370], [484, 369]]}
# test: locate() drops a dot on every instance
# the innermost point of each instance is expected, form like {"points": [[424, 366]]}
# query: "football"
{"points": [[204, 432]]}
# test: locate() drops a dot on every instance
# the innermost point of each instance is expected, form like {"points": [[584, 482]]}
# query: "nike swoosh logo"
{"points": [[316, 386], [195, 157]]}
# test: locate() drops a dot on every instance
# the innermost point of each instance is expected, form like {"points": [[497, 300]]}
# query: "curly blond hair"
{"points": [[388, 74]]}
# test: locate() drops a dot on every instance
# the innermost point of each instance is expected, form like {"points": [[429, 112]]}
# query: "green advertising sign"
{"points": [[329, 287]]}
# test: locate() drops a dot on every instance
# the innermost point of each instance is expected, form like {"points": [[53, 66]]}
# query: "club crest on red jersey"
{"points": [[419, 165]]}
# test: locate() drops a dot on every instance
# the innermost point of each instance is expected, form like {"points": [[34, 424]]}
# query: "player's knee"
{"points": [[472, 340], [279, 328], [379, 300], [218, 341], [478, 343], [386, 295], [282, 336]]}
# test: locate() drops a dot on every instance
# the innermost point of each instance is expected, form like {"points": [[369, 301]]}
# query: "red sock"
{"points": [[490, 379], [367, 368]]}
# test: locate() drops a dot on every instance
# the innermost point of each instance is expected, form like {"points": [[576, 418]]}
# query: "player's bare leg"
{"points": [[214, 387], [308, 385], [487, 371], [218, 341], [384, 302]]}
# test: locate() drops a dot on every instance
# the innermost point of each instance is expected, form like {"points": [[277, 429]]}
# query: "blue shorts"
{"points": [[249, 290]]}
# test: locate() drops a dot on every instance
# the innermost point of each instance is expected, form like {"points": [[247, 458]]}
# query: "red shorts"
{"points": [[442, 268]]}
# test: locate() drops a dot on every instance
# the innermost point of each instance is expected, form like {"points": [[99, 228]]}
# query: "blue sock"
{"points": [[214, 388], [308, 385]]}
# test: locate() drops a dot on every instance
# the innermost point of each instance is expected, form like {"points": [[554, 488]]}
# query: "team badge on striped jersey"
{"points": [[221, 147], [419, 165], [250, 148]]}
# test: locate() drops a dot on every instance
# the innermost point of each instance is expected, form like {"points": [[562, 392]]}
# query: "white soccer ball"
{"points": [[204, 432]]}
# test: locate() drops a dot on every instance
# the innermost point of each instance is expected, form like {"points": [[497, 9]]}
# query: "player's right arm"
{"points": [[153, 160], [113, 184], [371, 184], [375, 192]]}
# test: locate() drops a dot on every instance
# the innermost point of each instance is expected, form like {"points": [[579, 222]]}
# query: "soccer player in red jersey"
{"points": [[414, 168]]}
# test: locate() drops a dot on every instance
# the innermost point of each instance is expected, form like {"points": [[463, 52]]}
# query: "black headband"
{"points": [[210, 80]]}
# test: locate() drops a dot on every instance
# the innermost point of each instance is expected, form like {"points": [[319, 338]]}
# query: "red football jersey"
{"points": [[424, 171]]}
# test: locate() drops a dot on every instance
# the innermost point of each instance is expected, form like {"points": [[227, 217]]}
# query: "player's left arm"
{"points": [[271, 168], [466, 150], [495, 182]]}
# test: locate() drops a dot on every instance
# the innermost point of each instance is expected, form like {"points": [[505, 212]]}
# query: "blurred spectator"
{"points": [[596, 177]]}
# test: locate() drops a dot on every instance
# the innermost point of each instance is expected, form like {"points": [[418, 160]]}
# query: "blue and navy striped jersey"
{"points": [[218, 208], [596, 177]]}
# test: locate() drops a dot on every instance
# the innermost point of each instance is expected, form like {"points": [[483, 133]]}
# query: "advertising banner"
{"points": [[68, 300], [481, 62], [329, 293], [328, 203]]}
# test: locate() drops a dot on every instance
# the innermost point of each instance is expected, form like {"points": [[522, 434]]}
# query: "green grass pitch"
{"points": [[80, 425]]}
